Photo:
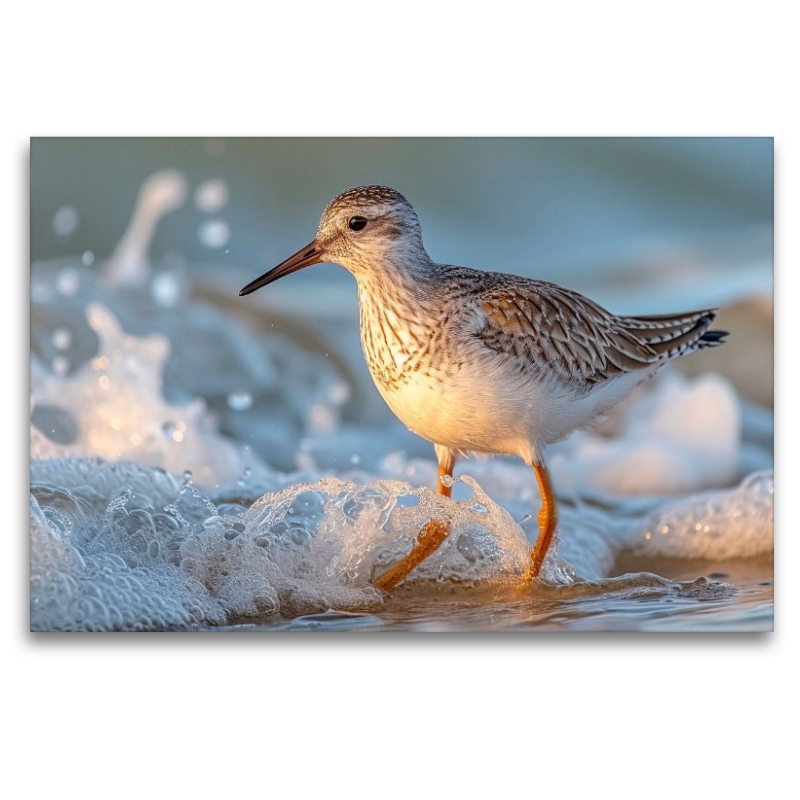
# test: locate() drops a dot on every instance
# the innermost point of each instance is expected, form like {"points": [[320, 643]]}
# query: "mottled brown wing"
{"points": [[562, 331]]}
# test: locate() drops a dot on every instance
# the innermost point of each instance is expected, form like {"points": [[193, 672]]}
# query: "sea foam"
{"points": [[118, 546]]}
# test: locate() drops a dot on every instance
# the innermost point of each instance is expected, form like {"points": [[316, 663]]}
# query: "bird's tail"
{"points": [[712, 339], [672, 335]]}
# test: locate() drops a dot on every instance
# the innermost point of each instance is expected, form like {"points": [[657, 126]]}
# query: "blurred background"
{"points": [[585, 211]]}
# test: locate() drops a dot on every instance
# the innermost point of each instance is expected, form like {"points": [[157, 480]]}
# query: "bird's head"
{"points": [[360, 229]]}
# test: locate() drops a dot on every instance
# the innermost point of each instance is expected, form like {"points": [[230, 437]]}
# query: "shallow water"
{"points": [[203, 464], [732, 596]]}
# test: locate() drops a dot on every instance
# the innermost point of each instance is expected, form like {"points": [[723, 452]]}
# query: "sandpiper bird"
{"points": [[482, 362]]}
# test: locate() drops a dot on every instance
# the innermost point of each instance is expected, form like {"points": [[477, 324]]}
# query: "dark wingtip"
{"points": [[716, 337]]}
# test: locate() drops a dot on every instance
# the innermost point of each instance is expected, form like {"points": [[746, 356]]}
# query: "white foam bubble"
{"points": [[735, 523]]}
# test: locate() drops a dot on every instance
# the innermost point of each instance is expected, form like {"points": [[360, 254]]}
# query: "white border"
{"points": [[650, 715]]}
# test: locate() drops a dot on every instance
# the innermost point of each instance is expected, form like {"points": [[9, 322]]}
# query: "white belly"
{"points": [[498, 413]]}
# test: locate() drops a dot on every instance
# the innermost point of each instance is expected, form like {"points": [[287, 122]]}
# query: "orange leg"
{"points": [[430, 537], [440, 487], [547, 522], [447, 463]]}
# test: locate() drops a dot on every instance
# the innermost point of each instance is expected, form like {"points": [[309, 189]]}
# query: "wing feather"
{"points": [[565, 333]]}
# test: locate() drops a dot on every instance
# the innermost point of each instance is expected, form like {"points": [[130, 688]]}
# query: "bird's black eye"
{"points": [[357, 223]]}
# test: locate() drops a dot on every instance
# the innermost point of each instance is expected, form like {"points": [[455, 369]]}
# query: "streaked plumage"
{"points": [[484, 362]]}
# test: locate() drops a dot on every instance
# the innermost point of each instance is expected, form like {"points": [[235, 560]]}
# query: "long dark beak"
{"points": [[305, 257]]}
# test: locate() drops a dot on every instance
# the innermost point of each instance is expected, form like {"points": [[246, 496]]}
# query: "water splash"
{"points": [[160, 553], [678, 435], [162, 193], [115, 406]]}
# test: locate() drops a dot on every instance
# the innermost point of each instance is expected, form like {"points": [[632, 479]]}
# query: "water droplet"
{"points": [[322, 418], [60, 365], [187, 475], [447, 480], [166, 289], [245, 476], [40, 292], [240, 401], [211, 195], [355, 459], [214, 233], [62, 338], [340, 393], [68, 282], [87, 259], [479, 508], [65, 221]]}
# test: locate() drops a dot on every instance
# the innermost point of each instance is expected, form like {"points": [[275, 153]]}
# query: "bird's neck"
{"points": [[406, 288], [398, 310]]}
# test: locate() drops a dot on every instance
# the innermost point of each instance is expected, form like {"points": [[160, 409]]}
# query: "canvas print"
{"points": [[445, 384]]}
